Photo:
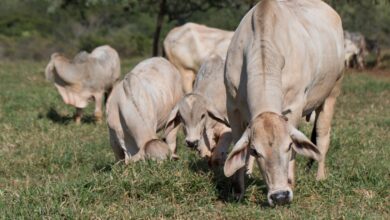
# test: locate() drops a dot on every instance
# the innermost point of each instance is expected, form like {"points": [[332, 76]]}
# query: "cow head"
{"points": [[67, 77], [153, 149], [156, 149], [271, 140], [196, 114]]}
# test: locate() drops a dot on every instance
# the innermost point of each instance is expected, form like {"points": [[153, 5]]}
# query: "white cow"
{"points": [[203, 113], [139, 106], [86, 77], [359, 41], [188, 46], [351, 53], [285, 61]]}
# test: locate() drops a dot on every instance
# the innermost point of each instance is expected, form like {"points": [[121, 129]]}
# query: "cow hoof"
{"points": [[238, 197], [175, 157], [249, 173], [98, 120], [238, 192], [321, 177], [321, 172], [77, 121]]}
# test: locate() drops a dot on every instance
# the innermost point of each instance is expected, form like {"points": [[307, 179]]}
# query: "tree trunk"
{"points": [[159, 24]]}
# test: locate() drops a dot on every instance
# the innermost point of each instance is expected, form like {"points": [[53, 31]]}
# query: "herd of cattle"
{"points": [[250, 87]]}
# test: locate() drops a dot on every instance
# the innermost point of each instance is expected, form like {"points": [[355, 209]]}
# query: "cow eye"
{"points": [[202, 117], [254, 153]]}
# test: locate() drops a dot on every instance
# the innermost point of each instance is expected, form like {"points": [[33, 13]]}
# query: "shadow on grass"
{"points": [[104, 167], [56, 117], [223, 184]]}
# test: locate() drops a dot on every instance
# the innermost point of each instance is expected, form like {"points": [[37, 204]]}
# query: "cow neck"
{"points": [[264, 62], [264, 65], [264, 93]]}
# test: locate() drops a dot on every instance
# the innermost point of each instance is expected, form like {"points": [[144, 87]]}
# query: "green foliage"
{"points": [[90, 42], [68, 26], [53, 169], [371, 17]]}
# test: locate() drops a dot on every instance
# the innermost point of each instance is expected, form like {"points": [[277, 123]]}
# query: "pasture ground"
{"points": [[51, 168]]}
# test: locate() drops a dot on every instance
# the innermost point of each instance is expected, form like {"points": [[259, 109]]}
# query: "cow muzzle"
{"points": [[192, 144], [280, 197]]}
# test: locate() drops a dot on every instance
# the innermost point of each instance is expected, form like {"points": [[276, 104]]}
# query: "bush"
{"points": [[90, 42]]}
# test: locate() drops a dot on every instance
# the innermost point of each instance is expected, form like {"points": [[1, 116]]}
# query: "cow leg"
{"points": [[78, 115], [205, 144], [294, 120], [361, 61], [171, 139], [313, 139], [238, 179], [116, 147], [98, 107], [219, 153], [122, 145], [378, 58], [249, 166], [130, 146], [323, 127]]}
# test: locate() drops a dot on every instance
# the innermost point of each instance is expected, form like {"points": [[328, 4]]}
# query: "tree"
{"points": [[370, 17], [166, 11], [178, 10]]}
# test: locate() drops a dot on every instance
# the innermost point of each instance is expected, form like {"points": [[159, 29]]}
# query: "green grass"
{"points": [[52, 168]]}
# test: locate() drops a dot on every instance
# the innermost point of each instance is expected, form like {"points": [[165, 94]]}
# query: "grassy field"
{"points": [[53, 169]]}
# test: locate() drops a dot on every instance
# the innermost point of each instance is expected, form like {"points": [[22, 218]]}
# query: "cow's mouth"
{"points": [[280, 197]]}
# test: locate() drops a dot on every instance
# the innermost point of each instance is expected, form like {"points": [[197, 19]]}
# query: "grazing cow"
{"points": [[86, 77], [359, 41], [351, 53], [203, 113], [188, 46], [139, 106], [285, 61]]}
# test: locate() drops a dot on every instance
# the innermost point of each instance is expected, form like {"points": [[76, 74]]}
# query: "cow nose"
{"points": [[192, 144], [281, 197]]}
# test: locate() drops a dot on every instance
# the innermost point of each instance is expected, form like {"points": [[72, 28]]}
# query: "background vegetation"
{"points": [[33, 29]]}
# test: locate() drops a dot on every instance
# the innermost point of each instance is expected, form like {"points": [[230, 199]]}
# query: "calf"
{"points": [[86, 77], [203, 113], [139, 106]]}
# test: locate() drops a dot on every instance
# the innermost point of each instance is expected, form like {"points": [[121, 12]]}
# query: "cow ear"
{"points": [[68, 72], [214, 114], [49, 71], [302, 145], [237, 158], [173, 120]]}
